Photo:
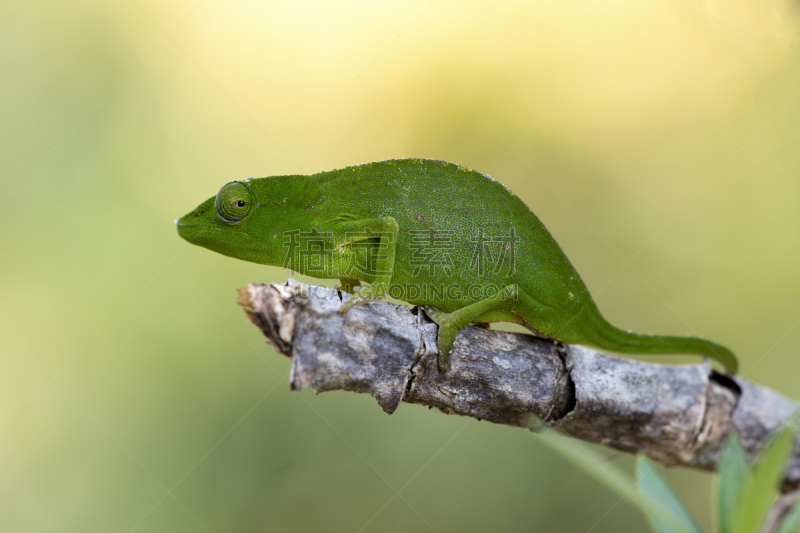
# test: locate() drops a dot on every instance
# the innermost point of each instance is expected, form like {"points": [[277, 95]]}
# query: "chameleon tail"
{"points": [[600, 333]]}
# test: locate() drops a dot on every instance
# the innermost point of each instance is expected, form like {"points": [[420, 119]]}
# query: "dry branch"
{"points": [[677, 415]]}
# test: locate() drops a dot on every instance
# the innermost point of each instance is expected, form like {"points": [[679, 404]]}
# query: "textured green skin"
{"points": [[412, 202]]}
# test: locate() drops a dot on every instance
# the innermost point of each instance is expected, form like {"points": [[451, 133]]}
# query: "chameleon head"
{"points": [[221, 223]]}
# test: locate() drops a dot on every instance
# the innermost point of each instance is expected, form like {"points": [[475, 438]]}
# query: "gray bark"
{"points": [[677, 415]]}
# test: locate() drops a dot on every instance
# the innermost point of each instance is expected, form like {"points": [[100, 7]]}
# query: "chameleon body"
{"points": [[427, 232]]}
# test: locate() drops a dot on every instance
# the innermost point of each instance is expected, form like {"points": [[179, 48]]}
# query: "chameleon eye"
{"points": [[233, 202]]}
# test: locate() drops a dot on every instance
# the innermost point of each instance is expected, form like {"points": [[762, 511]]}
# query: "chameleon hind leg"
{"points": [[508, 305]]}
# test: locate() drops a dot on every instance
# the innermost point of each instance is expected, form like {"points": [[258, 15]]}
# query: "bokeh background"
{"points": [[657, 139]]}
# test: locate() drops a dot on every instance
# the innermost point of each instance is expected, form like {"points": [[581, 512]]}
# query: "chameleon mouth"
{"points": [[194, 226], [196, 233], [226, 241]]}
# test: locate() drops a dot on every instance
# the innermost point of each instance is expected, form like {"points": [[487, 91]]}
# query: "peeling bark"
{"points": [[677, 415]]}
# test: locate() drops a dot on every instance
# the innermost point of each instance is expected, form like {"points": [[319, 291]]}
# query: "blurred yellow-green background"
{"points": [[659, 141]]}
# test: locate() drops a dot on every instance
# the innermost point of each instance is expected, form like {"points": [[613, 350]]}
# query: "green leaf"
{"points": [[763, 485], [791, 524], [617, 481], [653, 487], [605, 473], [734, 476]]}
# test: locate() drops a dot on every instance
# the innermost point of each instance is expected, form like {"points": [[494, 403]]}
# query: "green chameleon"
{"points": [[427, 232]]}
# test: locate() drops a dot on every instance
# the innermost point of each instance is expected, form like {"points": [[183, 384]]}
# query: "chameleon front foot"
{"points": [[349, 285], [349, 304], [447, 335], [365, 295]]}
